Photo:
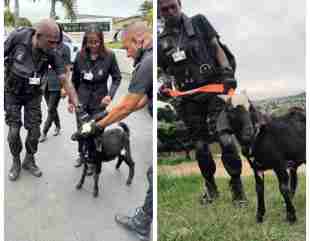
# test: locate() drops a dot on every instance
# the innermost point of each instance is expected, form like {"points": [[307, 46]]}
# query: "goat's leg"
{"points": [[131, 166], [81, 182], [293, 181], [130, 163], [283, 179], [259, 181], [96, 179], [119, 161]]}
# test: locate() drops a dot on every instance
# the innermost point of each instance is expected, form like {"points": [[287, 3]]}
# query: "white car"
{"points": [[74, 47]]}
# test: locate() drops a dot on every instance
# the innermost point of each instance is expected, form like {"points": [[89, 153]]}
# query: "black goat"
{"points": [[111, 144], [279, 144]]}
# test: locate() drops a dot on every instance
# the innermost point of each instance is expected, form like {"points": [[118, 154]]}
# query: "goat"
{"points": [[279, 144], [111, 144]]}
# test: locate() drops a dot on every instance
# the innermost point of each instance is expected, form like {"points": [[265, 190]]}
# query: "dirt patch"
{"points": [[185, 169]]}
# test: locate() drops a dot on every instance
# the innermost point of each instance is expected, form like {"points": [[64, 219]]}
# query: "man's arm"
{"points": [[128, 104], [220, 54], [69, 88]]}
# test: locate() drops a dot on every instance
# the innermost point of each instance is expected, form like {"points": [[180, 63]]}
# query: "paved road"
{"points": [[51, 209]]}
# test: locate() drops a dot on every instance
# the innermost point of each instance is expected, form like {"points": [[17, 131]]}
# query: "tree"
{"points": [[149, 17], [23, 22], [7, 3], [9, 18], [16, 8], [145, 7], [68, 6]]}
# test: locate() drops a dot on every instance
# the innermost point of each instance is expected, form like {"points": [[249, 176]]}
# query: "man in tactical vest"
{"points": [[190, 53], [28, 52]]}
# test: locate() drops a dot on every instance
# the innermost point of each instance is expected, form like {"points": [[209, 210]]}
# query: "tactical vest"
{"points": [[21, 67], [187, 57]]}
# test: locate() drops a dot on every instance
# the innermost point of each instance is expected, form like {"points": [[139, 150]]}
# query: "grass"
{"points": [[169, 161], [114, 45], [182, 218]]}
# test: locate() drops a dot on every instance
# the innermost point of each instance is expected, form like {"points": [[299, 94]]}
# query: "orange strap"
{"points": [[210, 88]]}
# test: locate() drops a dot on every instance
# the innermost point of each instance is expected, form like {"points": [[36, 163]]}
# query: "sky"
{"points": [[267, 38], [119, 8]]}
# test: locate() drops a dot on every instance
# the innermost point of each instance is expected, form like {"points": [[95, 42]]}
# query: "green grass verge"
{"points": [[172, 162], [114, 45], [182, 218]]}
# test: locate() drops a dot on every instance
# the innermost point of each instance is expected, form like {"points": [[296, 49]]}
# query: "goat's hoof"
{"points": [[95, 193], [259, 218], [291, 218], [128, 183], [79, 186]]}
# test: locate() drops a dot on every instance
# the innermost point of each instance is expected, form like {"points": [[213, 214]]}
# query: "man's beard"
{"points": [[172, 21]]}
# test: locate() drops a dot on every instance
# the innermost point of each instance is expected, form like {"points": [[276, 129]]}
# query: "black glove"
{"points": [[89, 129], [82, 115], [229, 84], [163, 93], [228, 79]]}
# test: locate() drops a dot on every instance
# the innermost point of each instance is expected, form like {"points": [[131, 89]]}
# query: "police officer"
{"points": [[28, 52], [93, 65], [137, 40], [53, 92], [189, 52]]}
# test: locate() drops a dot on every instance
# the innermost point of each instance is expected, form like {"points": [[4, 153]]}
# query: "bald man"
{"points": [[28, 52], [137, 40]]}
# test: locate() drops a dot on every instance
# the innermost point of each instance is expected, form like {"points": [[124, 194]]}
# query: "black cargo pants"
{"points": [[32, 120]]}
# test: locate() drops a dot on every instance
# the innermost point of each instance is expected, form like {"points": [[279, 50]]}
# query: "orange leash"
{"points": [[210, 88]]}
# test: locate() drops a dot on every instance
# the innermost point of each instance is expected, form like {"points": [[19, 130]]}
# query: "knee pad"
{"points": [[202, 150], [34, 133], [13, 134]]}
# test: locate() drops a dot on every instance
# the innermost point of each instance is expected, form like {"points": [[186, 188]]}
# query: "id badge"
{"points": [[89, 76], [179, 56], [35, 80]]}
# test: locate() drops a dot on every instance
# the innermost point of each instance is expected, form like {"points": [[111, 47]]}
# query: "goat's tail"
{"points": [[125, 127]]}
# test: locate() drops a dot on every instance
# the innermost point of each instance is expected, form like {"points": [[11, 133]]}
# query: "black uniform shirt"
{"points": [[100, 69], [22, 62], [142, 76]]}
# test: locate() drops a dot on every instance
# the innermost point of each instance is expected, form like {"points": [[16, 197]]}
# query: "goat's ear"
{"points": [[226, 98]]}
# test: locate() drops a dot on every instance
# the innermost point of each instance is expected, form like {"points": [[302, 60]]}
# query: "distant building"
{"points": [[82, 22]]}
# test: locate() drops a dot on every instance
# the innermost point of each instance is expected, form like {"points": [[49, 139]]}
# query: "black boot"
{"points": [[238, 195], [56, 131], [139, 224], [211, 191], [15, 169], [30, 165], [43, 138], [79, 161]]}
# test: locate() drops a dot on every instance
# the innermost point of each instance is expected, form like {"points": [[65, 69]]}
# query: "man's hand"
{"points": [[63, 93], [71, 108], [229, 80], [106, 100], [89, 129], [163, 92]]}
